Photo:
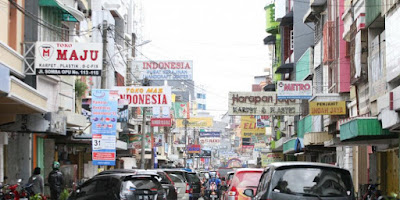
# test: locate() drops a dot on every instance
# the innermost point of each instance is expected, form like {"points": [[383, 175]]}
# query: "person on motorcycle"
{"points": [[214, 180], [37, 182], [56, 181]]}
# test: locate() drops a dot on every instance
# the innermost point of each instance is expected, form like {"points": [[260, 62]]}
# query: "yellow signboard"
{"points": [[194, 122], [249, 128], [328, 108]]}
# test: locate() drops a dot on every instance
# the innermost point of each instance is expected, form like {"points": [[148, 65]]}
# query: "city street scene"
{"points": [[199, 100]]}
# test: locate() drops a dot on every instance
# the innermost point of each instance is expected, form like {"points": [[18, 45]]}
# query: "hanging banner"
{"points": [[68, 58], [195, 122], [165, 70], [161, 112], [158, 140], [161, 122], [262, 121], [135, 141], [194, 148], [268, 158], [181, 110], [210, 134], [210, 141], [104, 126], [146, 96], [294, 90], [328, 108], [248, 128], [261, 103]]}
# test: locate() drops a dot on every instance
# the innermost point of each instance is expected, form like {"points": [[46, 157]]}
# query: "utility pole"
{"points": [[186, 141], [105, 64], [143, 153]]}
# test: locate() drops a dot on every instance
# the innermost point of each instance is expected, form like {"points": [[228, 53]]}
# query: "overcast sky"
{"points": [[224, 38]]}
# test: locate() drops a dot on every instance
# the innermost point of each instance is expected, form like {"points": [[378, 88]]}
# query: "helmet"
{"points": [[56, 165]]}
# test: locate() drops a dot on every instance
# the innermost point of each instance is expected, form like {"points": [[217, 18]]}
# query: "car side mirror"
{"points": [[249, 192]]}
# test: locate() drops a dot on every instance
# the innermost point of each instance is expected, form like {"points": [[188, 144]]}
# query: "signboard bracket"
{"points": [[29, 58]]}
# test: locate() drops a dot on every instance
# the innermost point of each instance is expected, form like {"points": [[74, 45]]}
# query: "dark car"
{"points": [[303, 180], [116, 186], [166, 182], [195, 184]]}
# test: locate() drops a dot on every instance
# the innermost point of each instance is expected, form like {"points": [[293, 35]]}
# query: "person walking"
{"points": [[37, 181], [56, 181]]}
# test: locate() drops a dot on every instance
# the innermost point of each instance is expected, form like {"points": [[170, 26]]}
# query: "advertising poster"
{"points": [[181, 110], [68, 58], [158, 140], [196, 122], [263, 121], [146, 96], [165, 70], [135, 141], [104, 126]]}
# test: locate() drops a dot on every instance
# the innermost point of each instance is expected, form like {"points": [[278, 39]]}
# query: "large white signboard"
{"points": [[165, 70], [149, 96], [261, 103], [294, 89], [67, 58]]}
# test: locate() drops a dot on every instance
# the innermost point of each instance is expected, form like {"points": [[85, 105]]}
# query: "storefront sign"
{"points": [[164, 122], [194, 148], [248, 128], [210, 140], [328, 108], [181, 110], [68, 58], [294, 90], [261, 103], [150, 96], [268, 158], [210, 134], [198, 122], [104, 126], [165, 70]]}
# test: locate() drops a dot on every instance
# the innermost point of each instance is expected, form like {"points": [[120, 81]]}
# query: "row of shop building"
{"points": [[347, 48]]}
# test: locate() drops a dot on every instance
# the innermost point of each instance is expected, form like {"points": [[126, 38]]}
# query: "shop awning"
{"points": [[287, 20], [288, 146], [362, 129], [285, 68], [271, 39], [270, 87], [316, 138], [69, 13], [309, 16], [299, 145]]}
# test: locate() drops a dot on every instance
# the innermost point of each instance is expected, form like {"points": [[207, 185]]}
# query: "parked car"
{"points": [[195, 185], [303, 180], [120, 186], [244, 178], [181, 183]]}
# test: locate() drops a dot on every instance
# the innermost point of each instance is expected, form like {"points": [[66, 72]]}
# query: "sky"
{"points": [[224, 38]]}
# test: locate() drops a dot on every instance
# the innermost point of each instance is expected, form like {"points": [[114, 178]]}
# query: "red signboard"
{"points": [[161, 122]]}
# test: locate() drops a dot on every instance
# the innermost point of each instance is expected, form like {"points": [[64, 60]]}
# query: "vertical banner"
{"points": [[181, 110], [155, 158], [104, 126]]}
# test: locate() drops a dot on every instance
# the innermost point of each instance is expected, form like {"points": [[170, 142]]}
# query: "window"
{"points": [[291, 40]]}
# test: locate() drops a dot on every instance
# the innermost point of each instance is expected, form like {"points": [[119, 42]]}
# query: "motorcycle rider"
{"points": [[216, 180], [56, 181], [37, 181]]}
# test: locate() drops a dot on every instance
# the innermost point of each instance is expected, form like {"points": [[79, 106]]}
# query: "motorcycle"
{"points": [[213, 191], [372, 192]]}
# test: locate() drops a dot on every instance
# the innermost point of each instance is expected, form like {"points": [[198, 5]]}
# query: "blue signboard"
{"points": [[210, 134], [104, 126]]}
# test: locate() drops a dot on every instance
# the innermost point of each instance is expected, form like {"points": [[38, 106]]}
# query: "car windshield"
{"points": [[193, 178], [321, 182], [176, 178], [247, 179], [130, 186]]}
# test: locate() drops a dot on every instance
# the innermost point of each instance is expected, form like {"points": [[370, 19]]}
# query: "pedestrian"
{"points": [[56, 181], [37, 181]]}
